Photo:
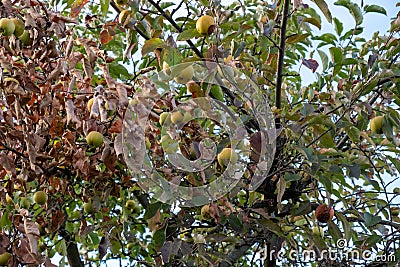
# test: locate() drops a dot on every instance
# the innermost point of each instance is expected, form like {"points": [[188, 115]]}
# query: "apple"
{"points": [[163, 117], [324, 213], [94, 139], [205, 211], [40, 197], [90, 104], [376, 125], [131, 205], [25, 38], [88, 207], [205, 25], [25, 202], [177, 117], [185, 75], [19, 26], [7, 26], [4, 258], [227, 155]]}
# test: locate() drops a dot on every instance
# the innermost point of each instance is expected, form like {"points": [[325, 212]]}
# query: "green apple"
{"points": [[40, 197], [185, 75], [25, 38], [227, 155], [7, 26], [19, 26], [131, 205], [376, 125], [205, 25], [94, 139], [4, 258], [88, 207], [25, 203]]}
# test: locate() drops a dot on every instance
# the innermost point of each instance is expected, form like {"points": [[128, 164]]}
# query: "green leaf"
{"points": [[349, 61], [324, 59], [4, 221], [188, 34], [353, 8], [324, 8], [334, 231], [345, 224], [235, 223], [104, 4], [297, 38], [151, 45], [217, 92], [375, 8], [314, 22], [159, 237], [353, 133], [291, 177], [336, 55], [151, 210], [273, 227], [338, 26], [370, 219]]}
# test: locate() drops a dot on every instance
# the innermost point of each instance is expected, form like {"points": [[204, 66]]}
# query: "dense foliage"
{"points": [[87, 68]]}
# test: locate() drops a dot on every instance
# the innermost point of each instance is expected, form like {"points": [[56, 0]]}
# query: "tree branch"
{"points": [[281, 56]]}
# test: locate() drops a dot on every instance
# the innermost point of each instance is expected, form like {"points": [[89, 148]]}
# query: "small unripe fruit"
{"points": [[7, 26], [88, 207], [185, 75], [324, 213], [25, 203], [177, 117], [90, 104], [4, 258], [40, 197], [376, 125], [131, 205], [94, 139], [25, 38], [205, 25], [19, 26], [163, 117], [205, 212], [227, 155]]}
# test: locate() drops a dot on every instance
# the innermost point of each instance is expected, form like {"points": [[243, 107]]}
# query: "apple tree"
{"points": [[92, 169]]}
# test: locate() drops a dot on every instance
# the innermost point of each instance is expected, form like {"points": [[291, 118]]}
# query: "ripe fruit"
{"points": [[4, 258], [324, 213], [205, 25], [7, 26], [376, 125], [94, 139], [131, 205], [185, 75], [163, 117], [177, 117], [88, 207], [205, 211], [227, 155], [25, 202], [40, 197], [124, 17], [25, 38], [90, 104], [19, 26]]}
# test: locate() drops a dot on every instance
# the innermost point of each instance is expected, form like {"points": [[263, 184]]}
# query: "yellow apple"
{"points": [[376, 125], [227, 155], [40, 197], [19, 26], [7, 26], [185, 75], [94, 139], [205, 25]]}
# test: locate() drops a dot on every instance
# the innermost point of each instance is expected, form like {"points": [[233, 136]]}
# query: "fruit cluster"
{"points": [[15, 26]]}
